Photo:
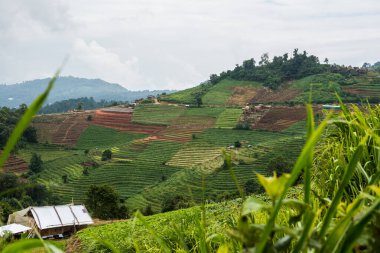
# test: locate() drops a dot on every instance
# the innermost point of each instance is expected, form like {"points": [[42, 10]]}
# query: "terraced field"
{"points": [[101, 138], [121, 119], [48, 152], [192, 155], [151, 114], [14, 164], [184, 128], [228, 118], [61, 129], [130, 171], [161, 150]]}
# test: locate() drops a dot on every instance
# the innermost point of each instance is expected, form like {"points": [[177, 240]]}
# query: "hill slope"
{"points": [[67, 88]]}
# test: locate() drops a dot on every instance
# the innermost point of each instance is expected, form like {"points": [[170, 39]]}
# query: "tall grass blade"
{"points": [[30, 244], [339, 194], [25, 121], [163, 245], [300, 163], [307, 175]]}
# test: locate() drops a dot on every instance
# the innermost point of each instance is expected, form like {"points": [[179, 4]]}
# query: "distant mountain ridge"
{"points": [[68, 88]]}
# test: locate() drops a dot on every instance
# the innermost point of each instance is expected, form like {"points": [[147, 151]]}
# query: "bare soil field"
{"points": [[280, 118], [283, 94], [242, 96], [61, 129]]}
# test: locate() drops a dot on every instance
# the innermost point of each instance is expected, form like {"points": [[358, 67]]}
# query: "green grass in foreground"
{"points": [[101, 137]]}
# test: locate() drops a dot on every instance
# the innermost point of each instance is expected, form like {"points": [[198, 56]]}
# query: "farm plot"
{"points": [[14, 164], [157, 114], [48, 152], [228, 118], [62, 129], [188, 181], [101, 137], [183, 128], [280, 118], [143, 169], [192, 155], [242, 95], [221, 92], [121, 119]]}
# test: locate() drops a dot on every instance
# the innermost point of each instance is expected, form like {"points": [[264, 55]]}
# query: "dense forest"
{"points": [[8, 120]]}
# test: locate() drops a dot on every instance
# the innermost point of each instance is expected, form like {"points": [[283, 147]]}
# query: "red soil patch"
{"points": [[63, 129], [280, 118], [15, 165], [242, 96], [122, 121]]}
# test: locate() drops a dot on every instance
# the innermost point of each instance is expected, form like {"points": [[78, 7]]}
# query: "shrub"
{"points": [[64, 179], [237, 144], [106, 155], [35, 165], [176, 202], [104, 203]]}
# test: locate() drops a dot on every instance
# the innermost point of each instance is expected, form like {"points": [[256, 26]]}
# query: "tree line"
{"points": [[83, 103], [280, 69], [8, 120]]}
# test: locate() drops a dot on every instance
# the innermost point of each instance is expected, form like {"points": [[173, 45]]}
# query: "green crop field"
{"points": [[132, 169], [204, 111], [48, 152], [101, 138], [157, 114], [228, 118], [222, 91], [183, 97]]}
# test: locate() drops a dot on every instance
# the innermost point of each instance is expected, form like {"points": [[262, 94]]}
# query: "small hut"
{"points": [[14, 229], [52, 221]]}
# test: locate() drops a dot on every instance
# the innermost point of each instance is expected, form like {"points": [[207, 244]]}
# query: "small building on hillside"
{"points": [[14, 229], [52, 221]]}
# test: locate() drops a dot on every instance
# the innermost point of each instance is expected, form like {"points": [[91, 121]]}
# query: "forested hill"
{"points": [[76, 103], [286, 78], [67, 88]]}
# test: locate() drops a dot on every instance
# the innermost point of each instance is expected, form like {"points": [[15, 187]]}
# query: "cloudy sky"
{"points": [[157, 44]]}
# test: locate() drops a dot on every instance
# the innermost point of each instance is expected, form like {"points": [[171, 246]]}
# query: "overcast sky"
{"points": [[175, 44]]}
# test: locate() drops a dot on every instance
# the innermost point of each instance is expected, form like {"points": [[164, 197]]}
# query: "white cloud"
{"points": [[177, 44], [91, 60]]}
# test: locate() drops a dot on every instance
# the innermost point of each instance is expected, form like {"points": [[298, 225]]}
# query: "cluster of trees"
{"points": [[272, 73], [8, 120], [83, 103], [105, 203], [16, 194]]}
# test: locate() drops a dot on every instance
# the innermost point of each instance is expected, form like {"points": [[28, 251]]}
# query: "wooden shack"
{"points": [[53, 221]]}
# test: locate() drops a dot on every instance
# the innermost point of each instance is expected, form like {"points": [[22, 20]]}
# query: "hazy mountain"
{"points": [[67, 88]]}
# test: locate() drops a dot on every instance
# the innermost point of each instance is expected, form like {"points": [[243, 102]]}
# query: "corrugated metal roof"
{"points": [[60, 216], [13, 228]]}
